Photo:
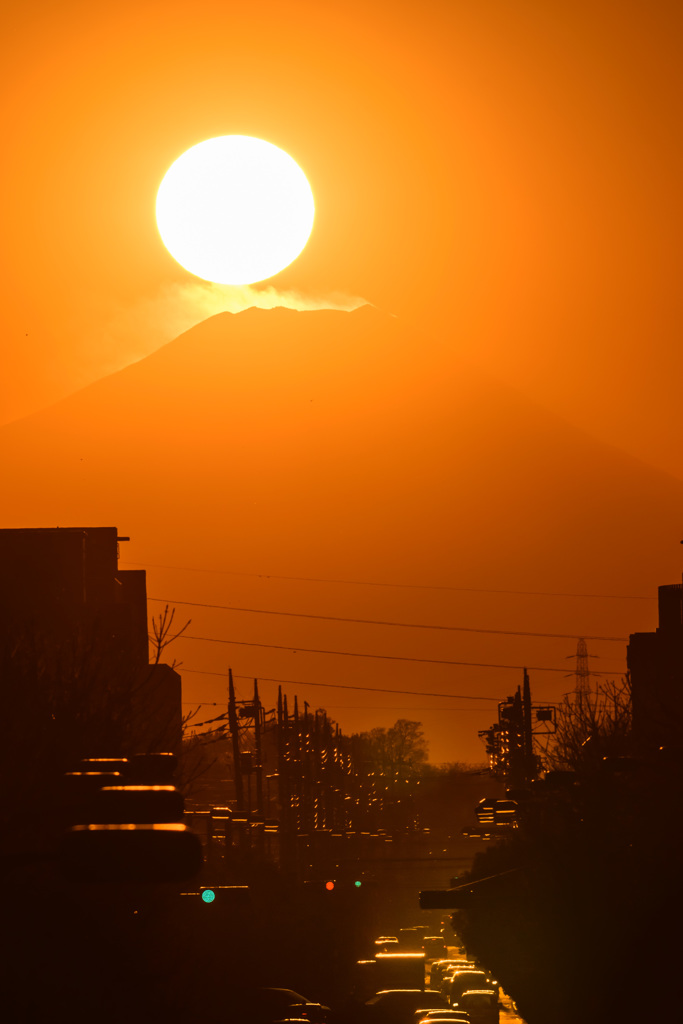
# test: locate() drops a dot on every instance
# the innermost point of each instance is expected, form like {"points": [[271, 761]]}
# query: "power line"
{"points": [[383, 622], [206, 703], [389, 707], [384, 657], [209, 721], [344, 686], [373, 583], [347, 686], [369, 707]]}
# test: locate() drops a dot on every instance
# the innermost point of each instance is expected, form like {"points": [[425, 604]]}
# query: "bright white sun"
{"points": [[235, 210]]}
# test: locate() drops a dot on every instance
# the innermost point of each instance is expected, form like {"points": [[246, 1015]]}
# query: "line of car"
{"points": [[467, 986], [459, 989], [391, 989]]}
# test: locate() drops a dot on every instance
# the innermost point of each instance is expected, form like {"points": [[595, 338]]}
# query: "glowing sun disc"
{"points": [[234, 209]]}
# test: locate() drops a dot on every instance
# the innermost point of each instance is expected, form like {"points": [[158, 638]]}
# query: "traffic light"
{"points": [[230, 897], [339, 888], [334, 884]]}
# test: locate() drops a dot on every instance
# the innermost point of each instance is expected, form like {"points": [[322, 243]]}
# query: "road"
{"points": [[508, 1010]]}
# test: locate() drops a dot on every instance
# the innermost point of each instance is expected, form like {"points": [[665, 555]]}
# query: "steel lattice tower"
{"points": [[582, 673]]}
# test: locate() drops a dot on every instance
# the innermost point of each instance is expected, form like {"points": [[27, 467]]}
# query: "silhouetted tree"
{"points": [[591, 726], [398, 751]]}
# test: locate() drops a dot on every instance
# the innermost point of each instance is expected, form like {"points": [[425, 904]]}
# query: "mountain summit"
{"points": [[350, 440]]}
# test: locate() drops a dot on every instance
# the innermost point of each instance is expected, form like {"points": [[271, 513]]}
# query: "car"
{"points": [[398, 1006], [458, 963], [447, 974], [399, 970], [440, 968], [460, 981], [457, 1017], [386, 944], [410, 938], [268, 1005], [506, 812], [491, 811], [434, 947], [485, 810], [437, 971], [441, 1016], [364, 980], [482, 1005]]}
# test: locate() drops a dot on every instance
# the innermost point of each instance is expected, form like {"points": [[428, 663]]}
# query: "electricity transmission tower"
{"points": [[582, 673]]}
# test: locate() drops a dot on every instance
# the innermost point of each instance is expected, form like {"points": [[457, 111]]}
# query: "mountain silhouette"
{"points": [[325, 430], [342, 445]]}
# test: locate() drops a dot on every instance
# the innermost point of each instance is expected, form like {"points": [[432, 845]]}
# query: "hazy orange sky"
{"points": [[510, 170], [262, 459], [504, 177]]}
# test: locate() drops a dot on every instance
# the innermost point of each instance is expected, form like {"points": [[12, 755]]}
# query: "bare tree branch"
{"points": [[591, 726], [162, 635]]}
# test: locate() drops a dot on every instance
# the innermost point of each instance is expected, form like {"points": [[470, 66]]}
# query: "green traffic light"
{"points": [[358, 884], [208, 895]]}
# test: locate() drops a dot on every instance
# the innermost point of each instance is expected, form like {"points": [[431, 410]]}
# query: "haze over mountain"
{"points": [[342, 446]]}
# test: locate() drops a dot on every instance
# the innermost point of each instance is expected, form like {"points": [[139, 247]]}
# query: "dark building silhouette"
{"points": [[655, 663], [69, 617]]}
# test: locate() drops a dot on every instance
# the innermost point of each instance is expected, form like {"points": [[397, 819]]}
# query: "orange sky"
{"points": [[509, 170], [503, 176], [262, 459]]}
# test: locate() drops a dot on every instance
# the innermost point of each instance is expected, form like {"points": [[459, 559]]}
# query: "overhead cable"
{"points": [[383, 622], [348, 686], [373, 583], [294, 649]]}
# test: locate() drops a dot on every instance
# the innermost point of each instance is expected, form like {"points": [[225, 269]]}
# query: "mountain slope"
{"points": [[341, 422], [340, 445]]}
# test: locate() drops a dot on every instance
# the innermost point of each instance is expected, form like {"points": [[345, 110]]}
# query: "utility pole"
{"points": [[284, 774], [517, 747], [257, 746], [306, 760], [528, 743], [511, 731], [234, 732], [280, 756]]}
